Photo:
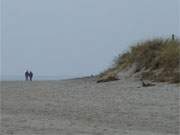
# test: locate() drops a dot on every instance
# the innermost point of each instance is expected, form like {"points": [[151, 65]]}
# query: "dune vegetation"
{"points": [[156, 60]]}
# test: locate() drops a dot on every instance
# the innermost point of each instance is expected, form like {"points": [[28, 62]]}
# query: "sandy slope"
{"points": [[82, 107]]}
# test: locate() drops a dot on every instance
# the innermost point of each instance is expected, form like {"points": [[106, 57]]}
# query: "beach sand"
{"points": [[84, 107]]}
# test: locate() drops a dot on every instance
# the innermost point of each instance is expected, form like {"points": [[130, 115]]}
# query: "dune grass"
{"points": [[156, 59]]}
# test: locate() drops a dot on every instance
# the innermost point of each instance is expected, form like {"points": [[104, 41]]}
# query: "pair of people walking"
{"points": [[28, 75]]}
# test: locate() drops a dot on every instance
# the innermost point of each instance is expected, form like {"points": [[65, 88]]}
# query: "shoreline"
{"points": [[41, 78]]}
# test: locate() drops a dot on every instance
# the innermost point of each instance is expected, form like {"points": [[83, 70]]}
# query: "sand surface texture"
{"points": [[83, 107]]}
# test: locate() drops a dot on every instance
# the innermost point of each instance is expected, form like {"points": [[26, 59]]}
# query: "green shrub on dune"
{"points": [[156, 60]]}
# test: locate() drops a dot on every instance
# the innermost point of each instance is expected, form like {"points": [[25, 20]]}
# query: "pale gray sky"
{"points": [[78, 37]]}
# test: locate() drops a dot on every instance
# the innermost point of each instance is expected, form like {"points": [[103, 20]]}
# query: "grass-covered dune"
{"points": [[156, 60]]}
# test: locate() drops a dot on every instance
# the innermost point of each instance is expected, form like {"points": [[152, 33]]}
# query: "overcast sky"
{"points": [[78, 37]]}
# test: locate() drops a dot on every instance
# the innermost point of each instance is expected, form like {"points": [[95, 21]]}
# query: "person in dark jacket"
{"points": [[26, 75], [30, 75]]}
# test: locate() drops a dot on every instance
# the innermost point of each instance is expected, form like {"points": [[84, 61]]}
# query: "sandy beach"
{"points": [[84, 107]]}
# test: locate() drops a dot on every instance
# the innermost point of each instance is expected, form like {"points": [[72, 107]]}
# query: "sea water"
{"points": [[21, 78]]}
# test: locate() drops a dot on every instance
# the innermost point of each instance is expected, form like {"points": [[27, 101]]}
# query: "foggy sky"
{"points": [[78, 37]]}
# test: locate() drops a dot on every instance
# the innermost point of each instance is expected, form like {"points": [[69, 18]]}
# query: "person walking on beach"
{"points": [[30, 75], [26, 75]]}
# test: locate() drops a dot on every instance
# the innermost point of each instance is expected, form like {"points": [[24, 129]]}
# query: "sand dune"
{"points": [[83, 107]]}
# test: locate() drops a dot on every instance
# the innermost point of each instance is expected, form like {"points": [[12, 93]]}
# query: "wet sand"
{"points": [[83, 107]]}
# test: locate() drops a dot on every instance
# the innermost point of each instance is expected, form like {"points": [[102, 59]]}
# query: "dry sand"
{"points": [[83, 107]]}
